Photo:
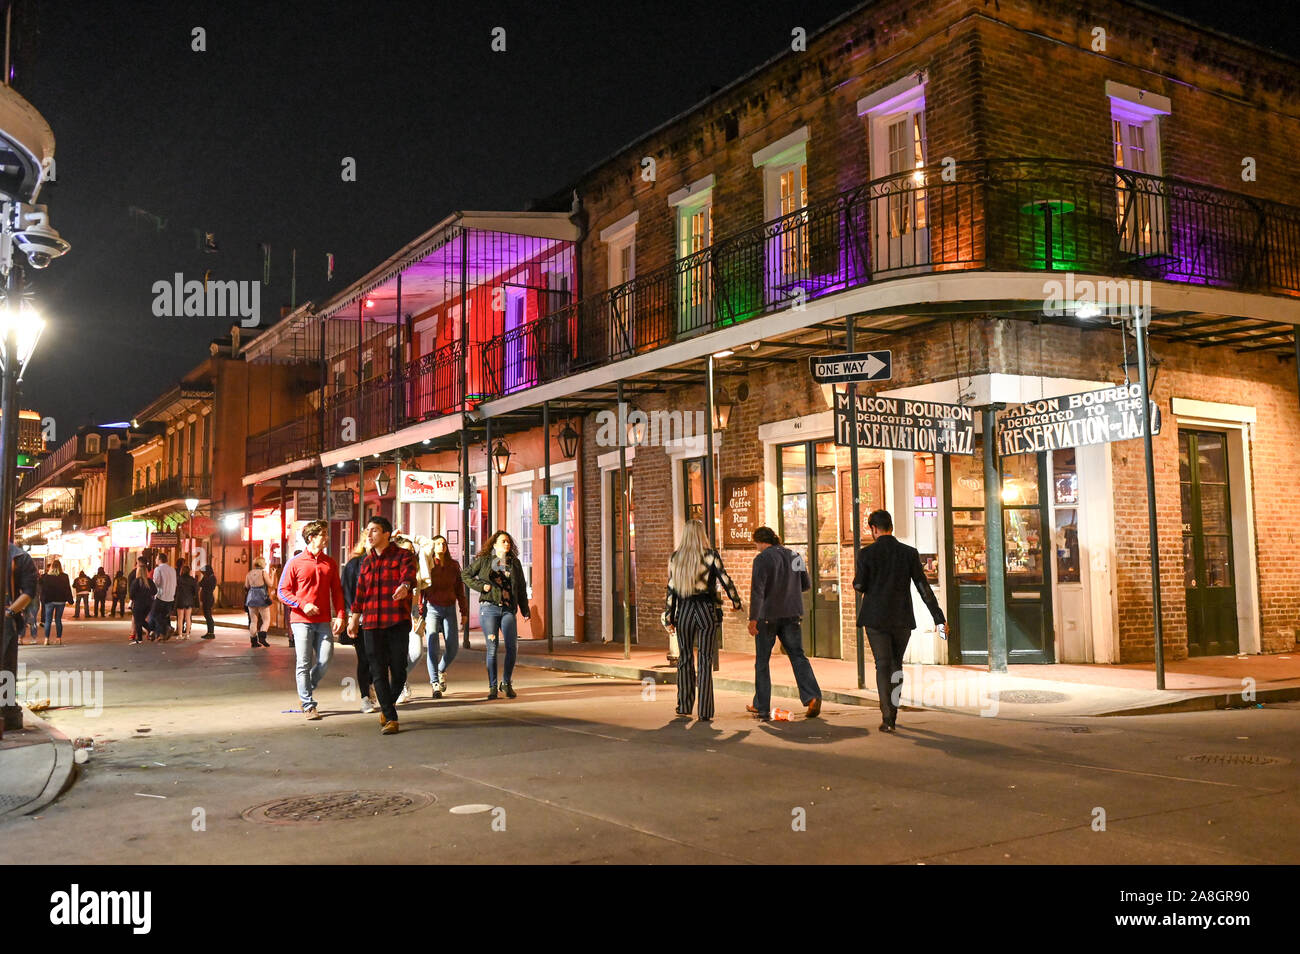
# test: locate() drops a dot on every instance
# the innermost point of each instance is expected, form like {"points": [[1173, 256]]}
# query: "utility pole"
{"points": [[12, 713]]}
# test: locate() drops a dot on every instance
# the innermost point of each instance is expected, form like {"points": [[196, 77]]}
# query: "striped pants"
{"points": [[696, 629]]}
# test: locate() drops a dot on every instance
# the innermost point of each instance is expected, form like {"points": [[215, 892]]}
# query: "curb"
{"points": [[62, 775], [1210, 702]]}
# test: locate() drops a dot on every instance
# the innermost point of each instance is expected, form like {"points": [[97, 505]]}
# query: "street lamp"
{"points": [[382, 483], [568, 439], [190, 504], [501, 456]]}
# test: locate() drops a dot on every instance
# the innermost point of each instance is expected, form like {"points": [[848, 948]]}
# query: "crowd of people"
{"points": [[395, 589]]}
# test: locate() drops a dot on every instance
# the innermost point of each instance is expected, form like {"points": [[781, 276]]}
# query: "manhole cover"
{"points": [[1233, 758], [337, 806], [1029, 697], [13, 801]]}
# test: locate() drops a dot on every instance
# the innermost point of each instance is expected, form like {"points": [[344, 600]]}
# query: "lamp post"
{"points": [[190, 504]]}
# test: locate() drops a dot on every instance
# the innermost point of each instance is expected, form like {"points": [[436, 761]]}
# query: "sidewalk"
{"points": [[1025, 691], [1060, 690], [36, 766]]}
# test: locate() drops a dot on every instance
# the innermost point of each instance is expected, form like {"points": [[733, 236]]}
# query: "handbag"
{"points": [[257, 595], [414, 649]]}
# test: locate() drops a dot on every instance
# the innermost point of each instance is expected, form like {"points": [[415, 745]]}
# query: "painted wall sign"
{"points": [[905, 424], [428, 486], [739, 512], [1075, 420]]}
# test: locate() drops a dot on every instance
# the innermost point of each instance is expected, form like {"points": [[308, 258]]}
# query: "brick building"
{"points": [[990, 192]]}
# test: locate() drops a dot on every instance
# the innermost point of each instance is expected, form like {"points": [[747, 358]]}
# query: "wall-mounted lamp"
{"points": [[382, 483], [568, 439], [501, 455]]}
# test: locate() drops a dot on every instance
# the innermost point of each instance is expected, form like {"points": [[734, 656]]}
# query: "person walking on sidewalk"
{"points": [[56, 591], [141, 594], [99, 584], [884, 573], [312, 593], [498, 577], [81, 585], [119, 595], [32, 613], [779, 580], [445, 592], [382, 615], [257, 600], [694, 613], [187, 597], [207, 596], [164, 599], [351, 570], [22, 583]]}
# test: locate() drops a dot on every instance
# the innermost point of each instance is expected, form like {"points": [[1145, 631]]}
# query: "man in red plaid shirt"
{"points": [[382, 613]]}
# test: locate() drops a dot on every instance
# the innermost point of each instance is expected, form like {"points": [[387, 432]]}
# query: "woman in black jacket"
{"points": [[56, 591], [187, 598], [141, 596], [497, 576]]}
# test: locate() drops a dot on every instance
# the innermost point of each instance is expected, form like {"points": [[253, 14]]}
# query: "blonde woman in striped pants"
{"points": [[694, 613]]}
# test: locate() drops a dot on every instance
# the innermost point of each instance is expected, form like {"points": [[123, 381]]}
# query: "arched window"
{"points": [[92, 443]]}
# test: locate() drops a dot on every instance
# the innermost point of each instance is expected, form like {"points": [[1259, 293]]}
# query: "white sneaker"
{"points": [[366, 705], [406, 694]]}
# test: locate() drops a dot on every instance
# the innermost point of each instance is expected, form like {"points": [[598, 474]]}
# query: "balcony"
{"points": [[1008, 215], [173, 489], [428, 387]]}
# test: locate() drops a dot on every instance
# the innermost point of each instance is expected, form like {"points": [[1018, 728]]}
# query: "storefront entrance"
{"points": [[562, 565], [1025, 514], [1208, 577], [807, 470], [614, 558]]}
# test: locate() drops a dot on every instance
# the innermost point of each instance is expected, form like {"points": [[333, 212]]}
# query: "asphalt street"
{"points": [[194, 743]]}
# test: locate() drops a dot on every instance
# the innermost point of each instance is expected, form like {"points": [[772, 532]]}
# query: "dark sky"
{"points": [[246, 140]]}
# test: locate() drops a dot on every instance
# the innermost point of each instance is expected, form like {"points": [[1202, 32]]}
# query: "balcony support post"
{"points": [[465, 554], [11, 714], [995, 564], [626, 493], [490, 470], [855, 494], [395, 415], [284, 557], [1141, 318], [546, 529]]}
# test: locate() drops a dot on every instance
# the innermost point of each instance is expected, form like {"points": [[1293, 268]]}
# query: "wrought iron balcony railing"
{"points": [[173, 488], [1039, 215]]}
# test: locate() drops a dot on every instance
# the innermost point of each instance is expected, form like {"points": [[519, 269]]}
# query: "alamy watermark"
{"points": [[208, 299], [647, 429], [1085, 298], [78, 688]]}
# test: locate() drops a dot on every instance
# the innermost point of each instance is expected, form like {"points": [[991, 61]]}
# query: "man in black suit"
{"points": [[884, 571]]}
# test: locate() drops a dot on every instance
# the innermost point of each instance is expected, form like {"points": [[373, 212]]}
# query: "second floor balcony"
{"points": [[171, 492]]}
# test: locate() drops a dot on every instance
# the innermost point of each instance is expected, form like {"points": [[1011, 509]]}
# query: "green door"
{"points": [[1207, 544], [1030, 637], [614, 561], [807, 482]]}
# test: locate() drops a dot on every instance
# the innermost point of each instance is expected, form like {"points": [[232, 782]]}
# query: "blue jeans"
{"points": [[54, 611], [790, 632], [496, 620], [441, 621], [311, 642], [32, 614]]}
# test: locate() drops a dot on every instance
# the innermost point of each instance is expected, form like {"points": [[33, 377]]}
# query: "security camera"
{"points": [[37, 239]]}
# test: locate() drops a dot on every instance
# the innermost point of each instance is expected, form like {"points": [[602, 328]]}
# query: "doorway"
{"points": [[562, 561], [614, 561], [806, 482], [1025, 514], [1208, 578]]}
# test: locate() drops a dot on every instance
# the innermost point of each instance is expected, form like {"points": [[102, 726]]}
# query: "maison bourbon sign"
{"points": [[1075, 420], [739, 506], [906, 424]]}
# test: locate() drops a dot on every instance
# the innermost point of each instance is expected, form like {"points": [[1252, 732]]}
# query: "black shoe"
{"points": [[886, 727], [209, 636], [252, 641], [261, 640], [492, 693], [510, 690]]}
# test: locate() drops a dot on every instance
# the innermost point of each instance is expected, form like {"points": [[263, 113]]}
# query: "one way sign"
{"points": [[848, 368]]}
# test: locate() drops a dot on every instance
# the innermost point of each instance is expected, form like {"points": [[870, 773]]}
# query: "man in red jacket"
{"points": [[312, 589]]}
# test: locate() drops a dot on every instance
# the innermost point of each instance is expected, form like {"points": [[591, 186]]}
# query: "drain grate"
{"points": [[1029, 697], [1233, 758], [8, 802], [337, 806]]}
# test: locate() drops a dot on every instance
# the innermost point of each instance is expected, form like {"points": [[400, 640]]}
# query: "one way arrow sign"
{"points": [[848, 368]]}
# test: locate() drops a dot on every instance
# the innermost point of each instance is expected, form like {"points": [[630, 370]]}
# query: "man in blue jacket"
{"points": [[885, 573], [779, 580]]}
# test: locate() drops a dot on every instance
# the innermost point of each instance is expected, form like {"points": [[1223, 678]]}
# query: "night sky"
{"points": [[246, 141]]}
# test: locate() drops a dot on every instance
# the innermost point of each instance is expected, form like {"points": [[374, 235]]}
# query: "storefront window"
{"points": [[693, 488], [925, 512], [521, 528], [1065, 533]]}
